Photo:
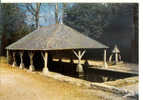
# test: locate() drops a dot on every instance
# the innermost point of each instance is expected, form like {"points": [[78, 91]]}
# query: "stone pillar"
{"points": [[14, 59], [45, 57], [110, 58], [79, 67], [116, 57], [31, 67], [21, 58], [105, 63]]}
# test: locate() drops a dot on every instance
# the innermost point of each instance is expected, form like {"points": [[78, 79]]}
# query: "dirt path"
{"points": [[18, 84]]}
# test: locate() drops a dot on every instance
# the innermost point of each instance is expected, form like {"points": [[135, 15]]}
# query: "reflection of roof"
{"points": [[55, 37], [116, 50]]}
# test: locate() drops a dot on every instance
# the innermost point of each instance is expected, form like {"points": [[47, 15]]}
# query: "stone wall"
{"points": [[92, 85]]}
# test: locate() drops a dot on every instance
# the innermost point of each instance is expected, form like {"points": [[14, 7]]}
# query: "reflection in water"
{"points": [[93, 75]]}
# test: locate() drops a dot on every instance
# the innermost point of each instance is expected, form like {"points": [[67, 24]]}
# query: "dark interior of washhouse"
{"points": [[69, 68]]}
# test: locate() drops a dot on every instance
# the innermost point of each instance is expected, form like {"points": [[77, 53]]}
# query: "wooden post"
{"points": [[79, 67], [21, 58], [14, 59], [105, 63], [45, 57], [31, 67]]}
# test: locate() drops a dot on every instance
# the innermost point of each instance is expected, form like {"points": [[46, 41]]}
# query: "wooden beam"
{"points": [[75, 54], [79, 55], [83, 53]]}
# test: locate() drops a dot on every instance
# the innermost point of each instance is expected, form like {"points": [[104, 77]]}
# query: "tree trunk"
{"points": [[135, 38], [37, 14], [56, 13], [3, 44], [1, 32], [64, 7]]}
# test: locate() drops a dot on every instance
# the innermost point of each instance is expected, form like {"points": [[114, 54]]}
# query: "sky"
{"points": [[47, 14]]}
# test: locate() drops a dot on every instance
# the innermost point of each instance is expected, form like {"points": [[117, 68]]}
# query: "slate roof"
{"points": [[55, 37]]}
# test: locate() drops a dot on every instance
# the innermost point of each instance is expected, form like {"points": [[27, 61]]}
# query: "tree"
{"points": [[135, 39], [90, 19], [1, 27], [108, 23], [59, 12], [12, 25], [56, 13], [34, 9], [42, 10]]}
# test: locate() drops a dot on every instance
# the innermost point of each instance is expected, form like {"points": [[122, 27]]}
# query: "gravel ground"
{"points": [[18, 84]]}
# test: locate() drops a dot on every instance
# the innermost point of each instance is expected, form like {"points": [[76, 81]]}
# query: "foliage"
{"points": [[12, 25], [34, 9], [109, 23], [93, 19]]}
